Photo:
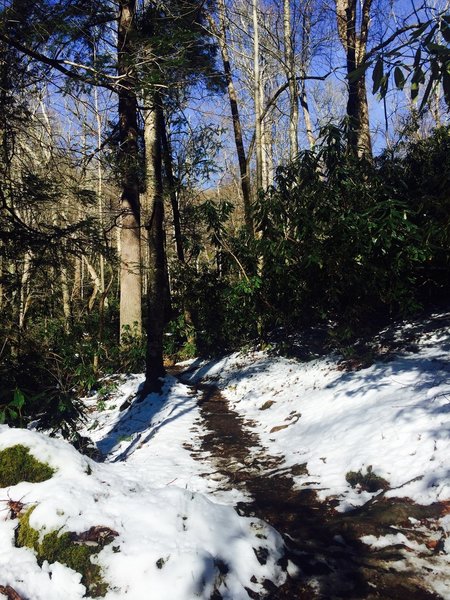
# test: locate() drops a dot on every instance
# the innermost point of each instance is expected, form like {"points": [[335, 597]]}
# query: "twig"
{"points": [[10, 593]]}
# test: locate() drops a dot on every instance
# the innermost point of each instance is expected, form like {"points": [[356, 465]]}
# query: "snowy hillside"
{"points": [[374, 436]]}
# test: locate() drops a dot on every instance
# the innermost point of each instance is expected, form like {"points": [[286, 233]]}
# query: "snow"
{"points": [[161, 493], [152, 492], [391, 417]]}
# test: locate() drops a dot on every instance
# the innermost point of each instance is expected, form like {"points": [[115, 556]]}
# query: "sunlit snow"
{"points": [[175, 523]]}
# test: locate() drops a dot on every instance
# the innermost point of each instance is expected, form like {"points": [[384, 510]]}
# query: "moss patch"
{"points": [[63, 549], [368, 481], [17, 464]]}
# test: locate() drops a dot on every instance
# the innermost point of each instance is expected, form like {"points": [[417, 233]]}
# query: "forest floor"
{"points": [[324, 545], [385, 545], [256, 476]]}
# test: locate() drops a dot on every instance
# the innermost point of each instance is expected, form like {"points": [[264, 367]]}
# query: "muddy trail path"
{"points": [[323, 544]]}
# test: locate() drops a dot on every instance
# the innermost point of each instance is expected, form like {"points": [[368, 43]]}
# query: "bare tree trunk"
{"points": [[76, 287], [306, 114], [95, 282], [25, 297], [266, 144], [265, 140], [168, 166], [257, 99], [237, 127], [305, 61], [157, 280], [99, 174], [289, 60], [65, 297], [355, 44], [130, 271]]}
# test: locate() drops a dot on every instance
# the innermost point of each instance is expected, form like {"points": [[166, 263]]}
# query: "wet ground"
{"points": [[323, 544]]}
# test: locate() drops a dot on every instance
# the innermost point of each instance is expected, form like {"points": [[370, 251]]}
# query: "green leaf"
{"points": [[419, 31], [430, 35], [435, 70], [446, 86], [418, 75], [438, 49], [417, 58], [399, 78], [384, 86], [427, 93], [414, 91], [18, 400], [377, 75], [358, 72], [445, 30]]}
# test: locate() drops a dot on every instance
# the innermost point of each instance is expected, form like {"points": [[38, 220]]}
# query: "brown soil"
{"points": [[322, 543]]}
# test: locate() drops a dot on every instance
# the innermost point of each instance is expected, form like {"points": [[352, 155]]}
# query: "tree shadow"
{"points": [[325, 545], [139, 419]]}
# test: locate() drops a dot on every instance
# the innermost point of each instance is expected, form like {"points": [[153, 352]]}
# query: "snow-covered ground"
{"points": [[392, 418], [173, 541], [175, 528]]}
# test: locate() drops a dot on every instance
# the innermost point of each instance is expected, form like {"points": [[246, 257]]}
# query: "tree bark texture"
{"points": [[130, 255], [289, 60], [168, 167], [237, 127], [305, 61], [355, 44], [157, 279], [257, 100]]}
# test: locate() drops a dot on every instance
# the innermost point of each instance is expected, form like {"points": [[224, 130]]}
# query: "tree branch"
{"points": [[59, 64], [271, 102], [374, 51]]}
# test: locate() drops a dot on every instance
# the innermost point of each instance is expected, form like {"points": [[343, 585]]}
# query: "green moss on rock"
{"points": [[63, 549], [17, 464]]}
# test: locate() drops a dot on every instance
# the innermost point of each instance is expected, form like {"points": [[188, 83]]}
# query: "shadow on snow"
{"points": [[137, 424]]}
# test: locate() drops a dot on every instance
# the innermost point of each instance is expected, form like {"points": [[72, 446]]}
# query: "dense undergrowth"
{"points": [[341, 243]]}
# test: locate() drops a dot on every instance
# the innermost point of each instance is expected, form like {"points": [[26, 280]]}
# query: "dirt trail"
{"points": [[323, 544]]}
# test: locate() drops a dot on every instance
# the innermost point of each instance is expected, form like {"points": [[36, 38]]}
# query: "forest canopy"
{"points": [[182, 178]]}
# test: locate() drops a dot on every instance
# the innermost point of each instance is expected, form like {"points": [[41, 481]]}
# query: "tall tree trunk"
{"points": [[76, 286], [130, 256], [257, 99], [25, 296], [305, 61], [157, 280], [98, 120], [168, 167], [306, 114], [289, 59], [355, 44], [266, 143], [65, 298], [237, 127]]}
